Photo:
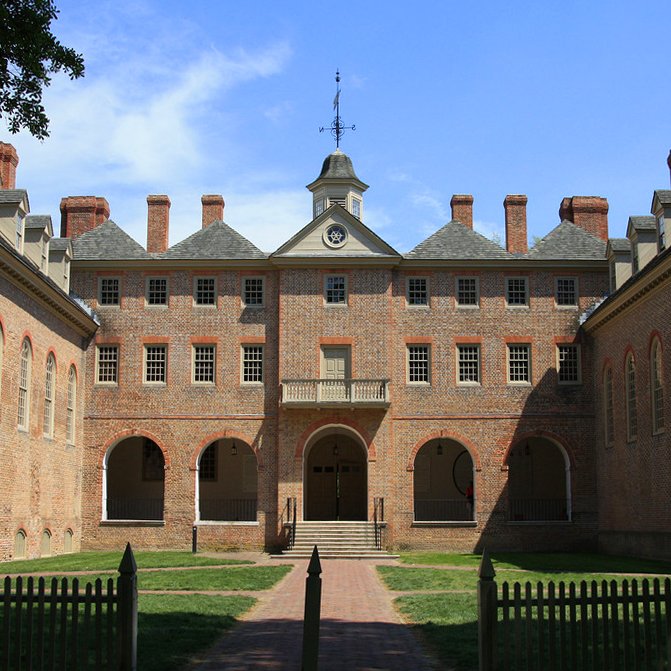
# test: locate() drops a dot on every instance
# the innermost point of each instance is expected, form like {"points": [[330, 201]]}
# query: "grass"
{"points": [[172, 628], [448, 621]]}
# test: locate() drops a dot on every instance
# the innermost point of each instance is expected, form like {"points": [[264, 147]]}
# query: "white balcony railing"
{"points": [[370, 393]]}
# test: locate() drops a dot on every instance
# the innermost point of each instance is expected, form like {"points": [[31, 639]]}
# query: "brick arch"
{"points": [[221, 435], [52, 351], [655, 336], [541, 433], [627, 351], [313, 428], [72, 364], [28, 335], [131, 433], [444, 435], [607, 363]]}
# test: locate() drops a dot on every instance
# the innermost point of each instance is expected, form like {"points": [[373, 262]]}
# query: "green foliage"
{"points": [[29, 54]]}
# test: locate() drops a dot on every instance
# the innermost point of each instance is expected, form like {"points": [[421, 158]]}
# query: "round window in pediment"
{"points": [[335, 235]]}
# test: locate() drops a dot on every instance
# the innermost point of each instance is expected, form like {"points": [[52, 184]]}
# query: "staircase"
{"points": [[336, 540]]}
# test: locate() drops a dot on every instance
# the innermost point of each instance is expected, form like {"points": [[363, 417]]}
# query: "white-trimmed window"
{"points": [[468, 364], [20, 219], [252, 363], [70, 416], [468, 292], [661, 233], [49, 386], [335, 289], [109, 292], [25, 369], [252, 292], [566, 291], [319, 206], [417, 291], [630, 395], [656, 387], [44, 260], [204, 358], [155, 364], [356, 208], [517, 291], [419, 361], [205, 291], [568, 364], [107, 364], [609, 417], [519, 364], [157, 291]]}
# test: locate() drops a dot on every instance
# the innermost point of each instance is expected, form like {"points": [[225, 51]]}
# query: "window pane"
{"points": [[205, 291], [253, 294], [203, 363], [518, 363], [155, 363], [566, 293], [517, 291], [108, 356], [109, 291], [569, 360], [252, 364], [336, 289], [469, 363], [467, 291], [417, 291], [157, 291], [418, 363]]}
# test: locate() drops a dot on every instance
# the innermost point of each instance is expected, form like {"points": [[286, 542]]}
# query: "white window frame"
{"points": [[102, 292], [247, 292], [20, 232], [345, 289], [558, 292], [148, 292], [251, 364], [155, 364], [517, 278], [608, 408], [578, 363], [418, 366], [462, 361], [25, 376], [196, 302], [457, 292], [71, 415], [409, 292], [510, 361], [111, 365], [631, 401], [657, 387], [195, 363], [49, 396], [661, 233], [356, 207]]}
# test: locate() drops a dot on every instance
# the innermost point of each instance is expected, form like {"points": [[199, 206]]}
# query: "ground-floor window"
{"points": [[443, 482]]}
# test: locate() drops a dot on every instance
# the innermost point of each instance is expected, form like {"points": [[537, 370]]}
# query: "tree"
{"points": [[29, 53]]}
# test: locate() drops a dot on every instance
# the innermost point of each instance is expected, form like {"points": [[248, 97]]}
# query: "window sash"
{"points": [[253, 292], [418, 363], [468, 364], [157, 291], [568, 363], [24, 386], [204, 357], [70, 410], [48, 417], [566, 293], [417, 291], [519, 364], [336, 289], [517, 291], [252, 363], [155, 364], [109, 291], [205, 291], [467, 291], [108, 364]]}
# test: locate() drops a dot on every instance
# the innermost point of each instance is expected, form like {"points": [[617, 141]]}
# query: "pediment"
{"points": [[335, 234]]}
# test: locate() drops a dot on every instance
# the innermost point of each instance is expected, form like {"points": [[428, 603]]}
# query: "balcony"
{"points": [[335, 393]]}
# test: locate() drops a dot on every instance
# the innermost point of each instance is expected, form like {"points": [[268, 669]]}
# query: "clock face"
{"points": [[335, 235]]}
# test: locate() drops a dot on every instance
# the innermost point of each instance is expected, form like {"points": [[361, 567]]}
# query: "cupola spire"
{"points": [[337, 127]]}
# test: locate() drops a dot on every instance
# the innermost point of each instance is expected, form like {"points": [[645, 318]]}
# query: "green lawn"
{"points": [[171, 627], [448, 621]]}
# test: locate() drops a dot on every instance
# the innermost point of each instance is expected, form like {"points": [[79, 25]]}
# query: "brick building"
{"points": [[455, 384]]}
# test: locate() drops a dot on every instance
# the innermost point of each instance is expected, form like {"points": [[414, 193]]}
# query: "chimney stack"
{"points": [[213, 209], [668, 161], [158, 219], [462, 209], [516, 223], [9, 159], [588, 212], [80, 214]]}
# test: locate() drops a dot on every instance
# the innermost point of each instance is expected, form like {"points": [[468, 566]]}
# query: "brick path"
{"points": [[360, 630]]}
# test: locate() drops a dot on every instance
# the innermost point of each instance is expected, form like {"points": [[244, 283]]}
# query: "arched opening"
{"points": [[539, 482], [227, 482], [443, 482], [336, 478], [45, 544], [67, 541], [20, 544], [135, 479]]}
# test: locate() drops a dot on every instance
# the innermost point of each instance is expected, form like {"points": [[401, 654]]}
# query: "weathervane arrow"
{"points": [[337, 126]]}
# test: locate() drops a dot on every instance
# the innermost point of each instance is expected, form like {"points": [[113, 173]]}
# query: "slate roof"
{"points": [[337, 166], [644, 223], [12, 195], [457, 241], [620, 244], [664, 196], [107, 242], [39, 221], [216, 241], [59, 244], [568, 242]]}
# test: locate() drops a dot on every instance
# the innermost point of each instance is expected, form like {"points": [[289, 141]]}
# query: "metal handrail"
{"points": [[378, 518], [291, 520]]}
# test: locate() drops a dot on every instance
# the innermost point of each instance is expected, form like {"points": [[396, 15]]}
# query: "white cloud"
{"points": [[492, 230]]}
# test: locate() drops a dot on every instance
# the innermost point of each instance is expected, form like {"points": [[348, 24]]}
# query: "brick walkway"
{"points": [[360, 630]]}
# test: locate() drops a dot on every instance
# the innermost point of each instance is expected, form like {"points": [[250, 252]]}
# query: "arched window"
{"points": [[67, 540], [24, 384], [608, 418], [50, 374], [630, 387], [72, 400], [45, 545], [2, 350], [20, 544], [656, 387]]}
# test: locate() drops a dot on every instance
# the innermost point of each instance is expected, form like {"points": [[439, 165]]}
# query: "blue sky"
{"points": [[550, 99]]}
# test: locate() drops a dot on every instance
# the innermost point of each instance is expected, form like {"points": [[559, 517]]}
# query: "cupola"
{"points": [[337, 183]]}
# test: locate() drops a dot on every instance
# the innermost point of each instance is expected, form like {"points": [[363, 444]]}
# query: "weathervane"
{"points": [[337, 127]]}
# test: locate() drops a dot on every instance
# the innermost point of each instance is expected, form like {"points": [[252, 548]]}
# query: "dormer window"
{"points": [[661, 234], [44, 261], [634, 259], [19, 232]]}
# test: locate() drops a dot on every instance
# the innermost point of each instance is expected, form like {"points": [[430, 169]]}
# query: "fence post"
{"points": [[486, 614], [194, 539], [313, 600], [127, 611]]}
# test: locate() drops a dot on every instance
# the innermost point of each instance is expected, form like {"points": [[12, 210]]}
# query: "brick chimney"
{"points": [[462, 208], [80, 214], [588, 212], [516, 223], [213, 209], [9, 159], [158, 219]]}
